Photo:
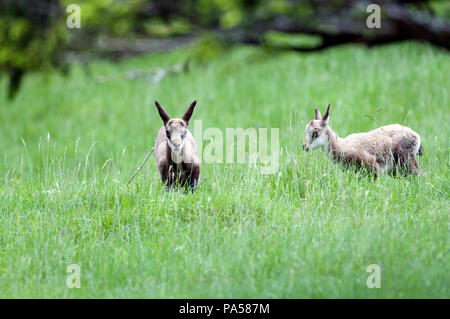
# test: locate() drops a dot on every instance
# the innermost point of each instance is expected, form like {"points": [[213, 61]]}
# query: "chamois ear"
{"points": [[326, 117], [318, 115], [164, 116], [188, 114]]}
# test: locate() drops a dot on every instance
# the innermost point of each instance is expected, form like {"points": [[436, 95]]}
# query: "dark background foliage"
{"points": [[34, 35]]}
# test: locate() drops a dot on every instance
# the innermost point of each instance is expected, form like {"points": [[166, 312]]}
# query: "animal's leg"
{"points": [[371, 163], [184, 178], [167, 176], [164, 171], [394, 170], [177, 176], [413, 166], [195, 173], [402, 165]]}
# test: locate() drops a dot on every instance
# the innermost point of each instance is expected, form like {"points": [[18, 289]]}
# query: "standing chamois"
{"points": [[175, 151], [387, 148]]}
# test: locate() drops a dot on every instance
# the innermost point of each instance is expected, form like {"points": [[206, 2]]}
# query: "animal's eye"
{"points": [[167, 134], [314, 135]]}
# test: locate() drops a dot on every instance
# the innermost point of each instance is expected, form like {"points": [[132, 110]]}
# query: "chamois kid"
{"points": [[175, 151], [388, 148]]}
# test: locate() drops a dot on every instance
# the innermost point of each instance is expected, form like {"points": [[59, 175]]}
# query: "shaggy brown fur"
{"points": [[391, 147]]}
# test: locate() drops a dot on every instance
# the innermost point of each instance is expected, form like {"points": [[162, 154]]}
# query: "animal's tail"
{"points": [[420, 151]]}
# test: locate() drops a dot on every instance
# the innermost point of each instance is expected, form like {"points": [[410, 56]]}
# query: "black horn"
{"points": [[164, 116], [188, 114]]}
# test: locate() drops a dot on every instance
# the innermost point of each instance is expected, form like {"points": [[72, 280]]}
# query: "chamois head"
{"points": [[175, 128], [315, 131]]}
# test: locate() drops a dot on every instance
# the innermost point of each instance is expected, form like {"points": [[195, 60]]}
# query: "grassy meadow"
{"points": [[70, 143]]}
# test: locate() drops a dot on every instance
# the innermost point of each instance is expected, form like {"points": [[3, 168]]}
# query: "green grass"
{"points": [[309, 231]]}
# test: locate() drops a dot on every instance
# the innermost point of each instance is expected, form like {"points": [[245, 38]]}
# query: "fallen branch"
{"points": [[120, 47], [155, 76], [339, 26], [140, 166]]}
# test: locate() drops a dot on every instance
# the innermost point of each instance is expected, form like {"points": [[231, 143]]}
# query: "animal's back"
{"points": [[389, 139], [402, 139]]}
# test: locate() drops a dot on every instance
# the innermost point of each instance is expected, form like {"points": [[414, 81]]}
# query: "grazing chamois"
{"points": [[387, 148], [175, 152]]}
